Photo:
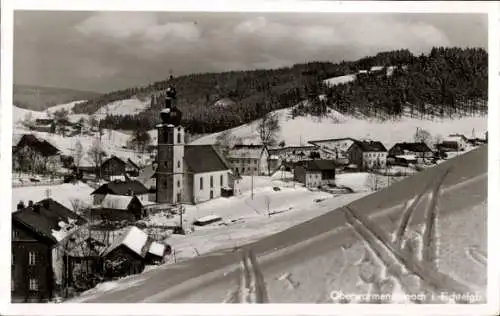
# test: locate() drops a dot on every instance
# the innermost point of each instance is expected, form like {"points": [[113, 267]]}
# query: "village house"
{"points": [[368, 155], [413, 151], [315, 173], [40, 234], [123, 188], [459, 139], [335, 148], [293, 154], [32, 154], [129, 253], [249, 159], [234, 185], [119, 208]]}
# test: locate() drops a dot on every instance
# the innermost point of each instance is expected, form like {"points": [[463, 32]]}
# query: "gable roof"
{"points": [[114, 158], [121, 188], [133, 238], [415, 147], [46, 218], [370, 146], [314, 142], [117, 202], [131, 163], [254, 152], [318, 165], [204, 158], [42, 146]]}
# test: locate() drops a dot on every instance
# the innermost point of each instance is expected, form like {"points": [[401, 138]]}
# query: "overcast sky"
{"points": [[103, 51]]}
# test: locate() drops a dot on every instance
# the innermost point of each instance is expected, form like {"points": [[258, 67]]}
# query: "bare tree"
{"points": [[224, 141], [423, 136], [27, 122], [77, 205], [78, 154], [96, 155], [269, 127]]}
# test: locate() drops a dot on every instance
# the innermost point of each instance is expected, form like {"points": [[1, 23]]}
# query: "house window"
{"points": [[32, 259], [15, 234], [221, 180], [13, 259], [201, 183], [211, 181], [33, 286]]}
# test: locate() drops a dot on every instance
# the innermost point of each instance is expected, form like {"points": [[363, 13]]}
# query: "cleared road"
{"points": [[208, 278]]}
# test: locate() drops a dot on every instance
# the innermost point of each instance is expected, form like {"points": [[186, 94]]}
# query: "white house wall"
{"points": [[203, 194]]}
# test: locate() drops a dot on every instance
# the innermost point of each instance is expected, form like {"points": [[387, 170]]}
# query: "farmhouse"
{"points": [[419, 150], [33, 154], [249, 159], [459, 139], [39, 238], [118, 208], [123, 188], [315, 173], [335, 148], [368, 154]]}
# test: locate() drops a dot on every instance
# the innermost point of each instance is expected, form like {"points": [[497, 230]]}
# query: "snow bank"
{"points": [[123, 107]]}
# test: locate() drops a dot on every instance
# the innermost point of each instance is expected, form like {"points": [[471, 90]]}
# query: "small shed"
{"points": [[126, 255]]}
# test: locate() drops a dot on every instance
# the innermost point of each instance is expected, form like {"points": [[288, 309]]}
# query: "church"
{"points": [[186, 173]]}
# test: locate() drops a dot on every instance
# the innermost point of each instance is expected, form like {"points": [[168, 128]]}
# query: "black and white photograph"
{"points": [[249, 157]]}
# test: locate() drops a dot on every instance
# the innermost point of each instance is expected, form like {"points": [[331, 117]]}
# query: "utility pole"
{"points": [[252, 185]]}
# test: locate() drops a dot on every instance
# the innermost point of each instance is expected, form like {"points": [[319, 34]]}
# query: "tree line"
{"points": [[445, 82]]}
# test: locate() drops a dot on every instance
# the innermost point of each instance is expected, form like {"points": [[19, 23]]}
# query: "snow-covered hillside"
{"points": [[123, 107], [20, 114], [112, 143], [300, 130]]}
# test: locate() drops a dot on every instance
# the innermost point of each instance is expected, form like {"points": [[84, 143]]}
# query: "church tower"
{"points": [[170, 152]]}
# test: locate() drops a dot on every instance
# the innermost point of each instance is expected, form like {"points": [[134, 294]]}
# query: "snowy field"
{"points": [[62, 193], [300, 130]]}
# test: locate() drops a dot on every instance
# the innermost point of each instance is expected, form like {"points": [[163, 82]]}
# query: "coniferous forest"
{"points": [[445, 82]]}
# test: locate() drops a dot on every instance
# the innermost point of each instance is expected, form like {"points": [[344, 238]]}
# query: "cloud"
{"points": [[117, 25]]}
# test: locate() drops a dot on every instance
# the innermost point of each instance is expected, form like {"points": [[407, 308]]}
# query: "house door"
{"points": [[211, 194], [178, 197]]}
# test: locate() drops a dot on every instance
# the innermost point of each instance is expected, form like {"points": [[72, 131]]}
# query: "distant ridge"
{"points": [[40, 98]]}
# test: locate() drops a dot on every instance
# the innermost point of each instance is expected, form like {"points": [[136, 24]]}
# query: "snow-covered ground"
{"points": [[63, 193], [246, 219], [20, 114], [300, 130], [123, 107]]}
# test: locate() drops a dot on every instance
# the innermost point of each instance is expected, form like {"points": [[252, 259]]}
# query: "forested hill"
{"points": [[444, 79]]}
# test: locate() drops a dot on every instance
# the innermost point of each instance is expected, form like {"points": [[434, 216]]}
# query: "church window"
{"points": [[178, 163]]}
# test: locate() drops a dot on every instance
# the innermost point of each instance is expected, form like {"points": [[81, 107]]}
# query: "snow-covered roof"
{"points": [[157, 249], [208, 218], [407, 157], [133, 238], [118, 202]]}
